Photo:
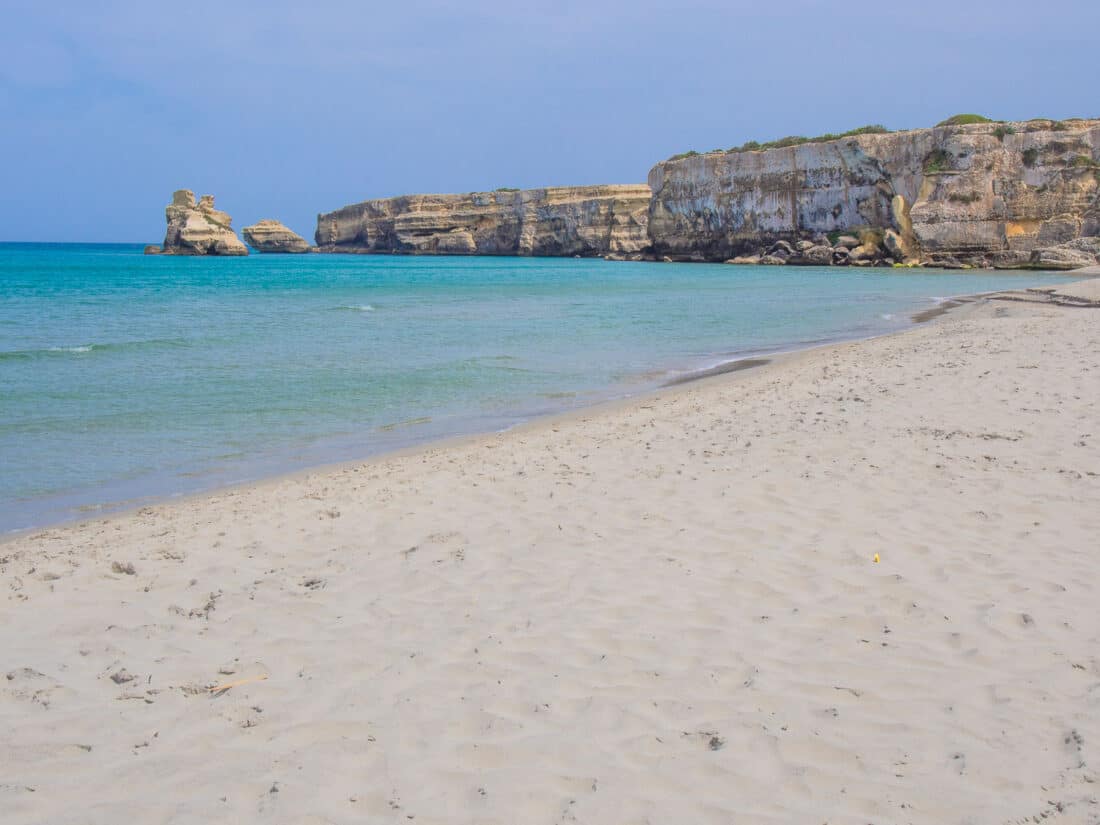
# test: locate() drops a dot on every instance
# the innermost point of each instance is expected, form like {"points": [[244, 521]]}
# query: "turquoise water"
{"points": [[125, 377]]}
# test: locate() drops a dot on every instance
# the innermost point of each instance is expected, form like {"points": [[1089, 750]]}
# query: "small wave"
{"points": [[888, 316], [412, 422], [83, 349], [721, 369], [26, 354], [502, 363], [358, 307]]}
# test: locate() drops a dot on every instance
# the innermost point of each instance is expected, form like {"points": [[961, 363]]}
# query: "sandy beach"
{"points": [[856, 584]]}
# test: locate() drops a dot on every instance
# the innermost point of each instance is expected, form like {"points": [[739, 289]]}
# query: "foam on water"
{"points": [[126, 377], [84, 348]]}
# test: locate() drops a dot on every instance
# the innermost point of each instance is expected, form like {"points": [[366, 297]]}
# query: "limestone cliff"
{"points": [[565, 220], [197, 228], [274, 237], [983, 194]]}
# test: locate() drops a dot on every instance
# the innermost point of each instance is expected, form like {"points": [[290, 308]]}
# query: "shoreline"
{"points": [[752, 360], [857, 584], [749, 361]]}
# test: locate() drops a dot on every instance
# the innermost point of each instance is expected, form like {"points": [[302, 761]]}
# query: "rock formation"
{"points": [[567, 220], [979, 194], [273, 236], [1074, 254], [197, 229]]}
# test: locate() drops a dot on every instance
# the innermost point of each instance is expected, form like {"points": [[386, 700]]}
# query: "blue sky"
{"points": [[287, 109]]}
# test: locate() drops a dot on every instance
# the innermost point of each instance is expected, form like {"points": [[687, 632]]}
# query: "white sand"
{"points": [[663, 611]]}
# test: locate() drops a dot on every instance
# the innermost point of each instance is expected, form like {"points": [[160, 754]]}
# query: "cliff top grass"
{"points": [[1000, 132], [798, 140], [966, 120], [790, 140]]}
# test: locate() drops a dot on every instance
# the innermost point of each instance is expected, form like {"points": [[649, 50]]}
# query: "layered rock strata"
{"points": [[566, 220], [197, 228], [981, 194], [274, 237]]}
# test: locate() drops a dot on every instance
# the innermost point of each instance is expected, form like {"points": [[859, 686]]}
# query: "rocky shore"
{"points": [[967, 193], [1012, 195], [963, 194]]}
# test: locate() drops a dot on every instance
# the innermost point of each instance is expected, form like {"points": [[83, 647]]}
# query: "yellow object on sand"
{"points": [[228, 685], [876, 558]]}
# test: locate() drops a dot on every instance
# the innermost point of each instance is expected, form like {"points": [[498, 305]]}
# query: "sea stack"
{"points": [[197, 228], [274, 237]]}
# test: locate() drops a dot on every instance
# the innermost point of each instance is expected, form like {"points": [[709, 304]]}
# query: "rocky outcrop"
{"points": [[1080, 252], [566, 220], [197, 228], [275, 237], [978, 194]]}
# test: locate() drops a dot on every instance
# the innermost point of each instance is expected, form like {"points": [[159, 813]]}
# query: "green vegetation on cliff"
{"points": [[791, 140], [798, 140], [965, 120], [1001, 131], [937, 161]]}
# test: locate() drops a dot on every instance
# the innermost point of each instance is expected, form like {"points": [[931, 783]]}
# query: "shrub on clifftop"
{"points": [[964, 120], [798, 140], [791, 140]]}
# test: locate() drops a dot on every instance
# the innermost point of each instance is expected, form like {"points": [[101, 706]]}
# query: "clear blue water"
{"points": [[125, 377]]}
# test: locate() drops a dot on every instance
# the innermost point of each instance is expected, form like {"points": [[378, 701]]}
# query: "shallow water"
{"points": [[125, 378]]}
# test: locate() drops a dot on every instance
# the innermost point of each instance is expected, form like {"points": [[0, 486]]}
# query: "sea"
{"points": [[127, 379]]}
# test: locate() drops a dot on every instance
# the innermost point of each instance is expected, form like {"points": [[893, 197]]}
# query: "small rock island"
{"points": [[271, 236], [197, 228]]}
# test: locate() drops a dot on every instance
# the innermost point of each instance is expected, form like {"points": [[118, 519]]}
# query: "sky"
{"points": [[286, 109]]}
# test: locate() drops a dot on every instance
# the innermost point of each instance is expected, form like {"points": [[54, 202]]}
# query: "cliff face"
{"points": [[984, 193], [197, 228], [573, 220]]}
